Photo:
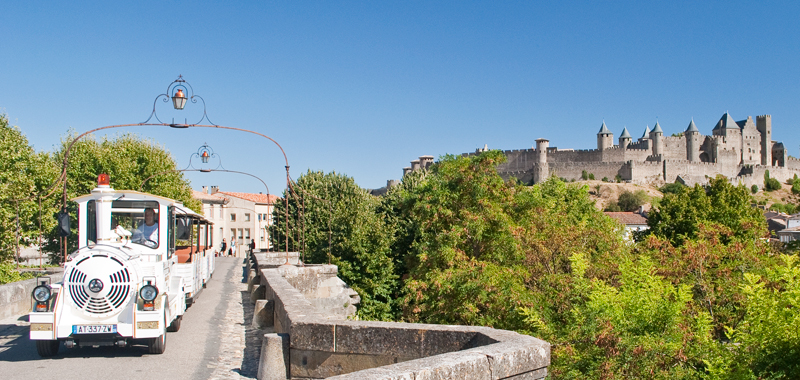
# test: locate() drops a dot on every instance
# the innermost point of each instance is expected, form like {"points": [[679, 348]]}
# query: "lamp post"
{"points": [[179, 91]]}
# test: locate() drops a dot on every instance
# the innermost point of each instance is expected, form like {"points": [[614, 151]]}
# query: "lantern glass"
{"points": [[178, 101], [204, 158]]}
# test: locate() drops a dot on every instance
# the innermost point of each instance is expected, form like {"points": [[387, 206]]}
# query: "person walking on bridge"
{"points": [[223, 248]]}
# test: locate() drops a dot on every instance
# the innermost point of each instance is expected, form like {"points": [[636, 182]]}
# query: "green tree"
{"points": [[24, 176], [630, 201], [679, 214], [483, 249], [360, 238]]}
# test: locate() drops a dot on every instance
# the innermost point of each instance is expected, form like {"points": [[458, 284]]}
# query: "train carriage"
{"points": [[125, 283], [195, 251]]}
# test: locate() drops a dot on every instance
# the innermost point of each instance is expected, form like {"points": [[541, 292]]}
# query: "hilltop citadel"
{"points": [[740, 150]]}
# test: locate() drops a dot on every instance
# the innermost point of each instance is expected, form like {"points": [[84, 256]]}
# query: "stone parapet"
{"points": [[323, 346], [15, 297]]}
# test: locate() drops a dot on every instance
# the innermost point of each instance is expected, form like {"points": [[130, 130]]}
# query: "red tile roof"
{"points": [[255, 198], [208, 197], [628, 218]]}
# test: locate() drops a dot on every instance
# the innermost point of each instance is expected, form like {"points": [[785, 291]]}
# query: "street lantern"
{"points": [[204, 157], [179, 99]]}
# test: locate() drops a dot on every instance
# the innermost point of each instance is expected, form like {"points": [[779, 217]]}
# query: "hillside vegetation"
{"points": [[701, 294]]}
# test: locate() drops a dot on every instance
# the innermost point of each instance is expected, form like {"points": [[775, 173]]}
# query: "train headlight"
{"points": [[41, 293], [148, 293]]}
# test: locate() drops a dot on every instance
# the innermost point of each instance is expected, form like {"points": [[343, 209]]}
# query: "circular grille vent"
{"points": [[114, 293]]}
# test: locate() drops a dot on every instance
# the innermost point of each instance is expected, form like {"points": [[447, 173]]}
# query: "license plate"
{"points": [[94, 329]]}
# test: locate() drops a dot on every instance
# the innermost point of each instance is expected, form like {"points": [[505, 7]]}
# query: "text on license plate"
{"points": [[94, 329]]}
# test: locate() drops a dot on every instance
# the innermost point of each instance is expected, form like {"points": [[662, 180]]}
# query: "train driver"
{"points": [[147, 232]]}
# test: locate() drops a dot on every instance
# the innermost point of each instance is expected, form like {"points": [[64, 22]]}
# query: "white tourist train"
{"points": [[142, 259]]}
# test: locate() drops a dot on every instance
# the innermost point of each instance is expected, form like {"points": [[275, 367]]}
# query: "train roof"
{"points": [[100, 191]]}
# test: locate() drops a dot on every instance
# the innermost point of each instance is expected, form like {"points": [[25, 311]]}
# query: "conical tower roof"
{"points": [[603, 129], [692, 127], [657, 129], [646, 134], [625, 134]]}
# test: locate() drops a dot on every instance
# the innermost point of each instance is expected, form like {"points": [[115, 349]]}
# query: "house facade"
{"points": [[239, 218]]}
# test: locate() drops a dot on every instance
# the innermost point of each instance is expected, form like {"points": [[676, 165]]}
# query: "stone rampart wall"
{"points": [[319, 347], [645, 172], [574, 170]]}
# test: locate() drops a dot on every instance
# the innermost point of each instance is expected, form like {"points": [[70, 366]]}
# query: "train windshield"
{"points": [[138, 217]]}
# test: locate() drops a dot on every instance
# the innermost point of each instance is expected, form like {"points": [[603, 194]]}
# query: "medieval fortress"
{"points": [[742, 151]]}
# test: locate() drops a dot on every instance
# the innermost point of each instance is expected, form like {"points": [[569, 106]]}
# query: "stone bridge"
{"points": [[310, 311]]}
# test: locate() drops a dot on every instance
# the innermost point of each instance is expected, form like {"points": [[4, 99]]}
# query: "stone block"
{"points": [[358, 338], [274, 361], [264, 314], [313, 336], [468, 366], [258, 294], [322, 364], [532, 375], [516, 356]]}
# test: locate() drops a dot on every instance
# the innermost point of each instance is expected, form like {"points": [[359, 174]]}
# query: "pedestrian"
{"points": [[223, 248], [233, 248], [252, 245]]}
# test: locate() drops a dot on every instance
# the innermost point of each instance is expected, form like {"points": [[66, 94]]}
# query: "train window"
{"points": [[171, 232], [140, 218], [91, 222]]}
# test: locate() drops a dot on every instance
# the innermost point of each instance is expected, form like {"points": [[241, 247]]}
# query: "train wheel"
{"points": [[158, 345], [47, 348], [176, 325]]}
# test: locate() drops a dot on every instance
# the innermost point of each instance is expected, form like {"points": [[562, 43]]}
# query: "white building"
{"points": [[238, 217]]}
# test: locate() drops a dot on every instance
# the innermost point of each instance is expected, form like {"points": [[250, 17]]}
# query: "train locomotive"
{"points": [[141, 260]]}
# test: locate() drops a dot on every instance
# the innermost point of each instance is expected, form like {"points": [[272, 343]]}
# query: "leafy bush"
{"points": [[9, 274], [672, 188], [618, 178], [754, 189], [605, 179], [584, 175], [767, 340], [591, 176], [796, 187], [772, 184]]}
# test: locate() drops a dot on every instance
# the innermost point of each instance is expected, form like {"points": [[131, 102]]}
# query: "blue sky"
{"points": [[362, 88]]}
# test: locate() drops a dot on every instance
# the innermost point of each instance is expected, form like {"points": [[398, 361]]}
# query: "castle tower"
{"points": [[732, 139], [645, 139], [692, 142], [425, 161], [542, 169], [624, 139], [779, 155], [764, 126], [657, 135], [605, 139]]}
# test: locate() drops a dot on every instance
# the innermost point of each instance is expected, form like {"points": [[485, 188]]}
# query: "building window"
{"points": [[247, 217], [259, 217], [241, 236], [233, 217], [233, 236], [262, 233], [247, 235]]}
